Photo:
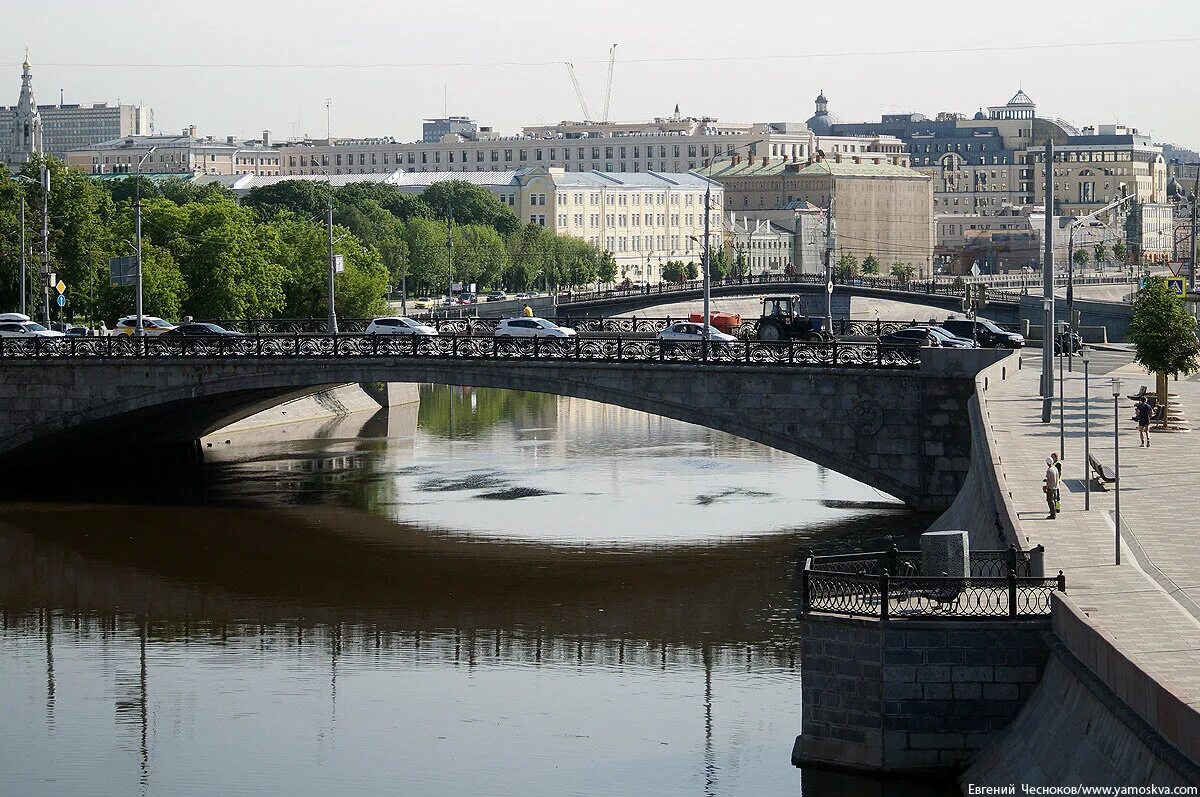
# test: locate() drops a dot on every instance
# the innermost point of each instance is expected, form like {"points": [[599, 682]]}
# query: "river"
{"points": [[497, 593]]}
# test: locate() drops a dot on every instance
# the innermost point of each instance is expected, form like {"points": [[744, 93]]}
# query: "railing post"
{"points": [[791, 351], [576, 346], [884, 599], [1012, 557], [746, 343], [258, 344], [536, 347], [1012, 593], [1037, 561], [1062, 582], [453, 344], [414, 340], [108, 346], [37, 346], [620, 348], [296, 346], [493, 346], [835, 351], [892, 556], [145, 345], [805, 602]]}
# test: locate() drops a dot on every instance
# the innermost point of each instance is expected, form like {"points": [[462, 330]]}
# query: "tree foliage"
{"points": [[1162, 331], [846, 267], [904, 272], [870, 265]]}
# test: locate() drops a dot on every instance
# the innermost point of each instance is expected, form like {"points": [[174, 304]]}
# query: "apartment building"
{"points": [[1102, 164], [674, 144], [185, 153]]}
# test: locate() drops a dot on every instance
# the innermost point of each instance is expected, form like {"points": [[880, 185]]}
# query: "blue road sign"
{"points": [[62, 300]]}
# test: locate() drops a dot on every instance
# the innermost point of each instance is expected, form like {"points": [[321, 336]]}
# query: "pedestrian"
{"points": [[527, 311], [1050, 488], [1141, 414], [103, 329], [1058, 465]]}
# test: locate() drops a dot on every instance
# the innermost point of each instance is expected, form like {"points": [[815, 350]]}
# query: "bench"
{"points": [[1104, 474]]}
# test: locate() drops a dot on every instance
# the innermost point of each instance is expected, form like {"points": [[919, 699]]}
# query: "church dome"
{"points": [[1174, 188], [821, 122], [980, 115]]}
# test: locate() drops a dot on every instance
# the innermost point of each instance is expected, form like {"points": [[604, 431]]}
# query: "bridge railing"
{"points": [[616, 349], [887, 584]]}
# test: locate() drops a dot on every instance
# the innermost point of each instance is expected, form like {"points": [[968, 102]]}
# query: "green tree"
{"points": [[870, 265], [1101, 252], [1120, 251], [718, 264], [959, 284], [393, 199], [472, 204], [1080, 257], [532, 252], [674, 271], [904, 272], [846, 267], [1164, 335], [739, 263], [426, 242], [480, 255], [303, 197], [576, 262], [606, 267]]}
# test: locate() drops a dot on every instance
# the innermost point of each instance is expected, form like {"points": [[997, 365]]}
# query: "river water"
{"points": [[497, 593]]}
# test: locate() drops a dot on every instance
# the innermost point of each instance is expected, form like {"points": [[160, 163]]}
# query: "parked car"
{"points": [[80, 332], [399, 325], [467, 298], [18, 325], [531, 328], [694, 332], [200, 329], [910, 338], [497, 296], [989, 335], [153, 326], [424, 303], [947, 339]]}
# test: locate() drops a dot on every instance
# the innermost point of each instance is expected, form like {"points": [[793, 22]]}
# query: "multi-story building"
{"points": [[880, 206], [1099, 166], [669, 145], [764, 246], [980, 164], [186, 153], [432, 130], [63, 127], [645, 219]]}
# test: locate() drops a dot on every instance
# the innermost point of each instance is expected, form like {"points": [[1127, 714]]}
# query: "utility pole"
{"points": [[1192, 259], [24, 289], [830, 243], [1048, 292], [45, 245], [139, 329], [333, 325], [707, 262], [450, 252]]}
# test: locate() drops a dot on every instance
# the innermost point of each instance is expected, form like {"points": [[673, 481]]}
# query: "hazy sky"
{"points": [[1144, 86]]}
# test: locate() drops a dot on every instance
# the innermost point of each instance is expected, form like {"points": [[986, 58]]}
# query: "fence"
{"points": [[886, 584]]}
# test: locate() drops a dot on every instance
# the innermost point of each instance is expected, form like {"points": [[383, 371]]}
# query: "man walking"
{"points": [[1050, 487], [1141, 414], [1058, 465]]}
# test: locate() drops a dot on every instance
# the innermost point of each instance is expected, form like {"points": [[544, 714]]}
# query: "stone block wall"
{"points": [[916, 695]]}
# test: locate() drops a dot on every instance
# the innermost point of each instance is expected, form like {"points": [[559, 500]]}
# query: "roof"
{"points": [[851, 169], [597, 179], [1020, 98]]}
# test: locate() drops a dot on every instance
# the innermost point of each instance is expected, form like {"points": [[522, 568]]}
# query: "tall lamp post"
{"points": [[1075, 223], [20, 178], [1116, 394], [1062, 426], [1085, 354], [332, 320], [139, 329], [1192, 255], [1048, 290]]}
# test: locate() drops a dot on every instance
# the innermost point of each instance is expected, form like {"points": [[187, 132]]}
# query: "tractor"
{"points": [[782, 320]]}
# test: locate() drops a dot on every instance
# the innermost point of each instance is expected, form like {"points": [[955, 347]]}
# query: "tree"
{"points": [[479, 254], [739, 263], [302, 197], [1120, 251], [1101, 252], [904, 272], [1080, 257], [692, 271], [846, 267], [959, 284], [1164, 336], [426, 242], [718, 264], [870, 265], [674, 271], [606, 267], [531, 257], [471, 203], [399, 203]]}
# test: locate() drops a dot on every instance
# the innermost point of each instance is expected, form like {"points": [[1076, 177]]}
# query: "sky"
{"points": [[239, 69]]}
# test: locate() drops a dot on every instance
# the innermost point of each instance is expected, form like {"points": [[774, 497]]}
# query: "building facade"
{"points": [[186, 153], [667, 145], [58, 129], [1099, 166], [880, 206]]}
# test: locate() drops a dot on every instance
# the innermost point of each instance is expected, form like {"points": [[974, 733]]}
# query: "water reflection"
{"points": [[305, 617]]}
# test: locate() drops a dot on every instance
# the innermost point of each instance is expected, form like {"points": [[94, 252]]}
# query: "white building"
{"points": [[185, 153]]}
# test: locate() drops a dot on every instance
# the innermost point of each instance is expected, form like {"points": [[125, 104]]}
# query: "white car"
{"points": [[152, 325], [18, 325], [398, 325], [688, 330], [526, 327]]}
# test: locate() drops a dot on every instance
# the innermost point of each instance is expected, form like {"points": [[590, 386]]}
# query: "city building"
{"points": [[673, 144], [1099, 166], [645, 219], [432, 130], [762, 246], [185, 153], [979, 164], [58, 129], [880, 206]]}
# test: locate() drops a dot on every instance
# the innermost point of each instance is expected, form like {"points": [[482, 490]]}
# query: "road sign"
{"points": [[339, 264], [122, 271], [62, 300], [975, 270], [1178, 285], [61, 287]]}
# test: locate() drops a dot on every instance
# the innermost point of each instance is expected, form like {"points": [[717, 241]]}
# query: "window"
{"points": [[507, 155], [608, 152]]}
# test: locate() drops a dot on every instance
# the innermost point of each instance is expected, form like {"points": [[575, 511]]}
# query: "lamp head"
{"points": [[1085, 354], [1116, 387]]}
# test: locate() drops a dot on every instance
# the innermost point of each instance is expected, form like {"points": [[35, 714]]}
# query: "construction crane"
{"points": [[587, 116], [612, 57]]}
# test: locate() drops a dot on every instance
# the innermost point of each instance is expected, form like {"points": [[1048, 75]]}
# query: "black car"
{"points": [[911, 338], [196, 329], [985, 332]]}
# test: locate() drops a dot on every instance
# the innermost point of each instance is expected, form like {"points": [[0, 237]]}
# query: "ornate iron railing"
{"points": [[889, 584], [615, 349]]}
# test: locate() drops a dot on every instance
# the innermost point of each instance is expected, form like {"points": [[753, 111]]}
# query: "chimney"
{"points": [[230, 139], [837, 157], [190, 131], [266, 138], [766, 161], [737, 159]]}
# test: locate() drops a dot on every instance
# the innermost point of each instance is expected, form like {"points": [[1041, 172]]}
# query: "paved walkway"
{"points": [[1151, 602]]}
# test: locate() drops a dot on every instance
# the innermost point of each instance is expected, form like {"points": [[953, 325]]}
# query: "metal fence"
{"points": [[1001, 584], [618, 349]]}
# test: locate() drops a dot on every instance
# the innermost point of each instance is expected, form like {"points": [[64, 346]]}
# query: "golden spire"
{"points": [[26, 64]]}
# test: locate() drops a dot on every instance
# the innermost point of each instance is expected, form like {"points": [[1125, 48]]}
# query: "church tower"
{"points": [[26, 123]]}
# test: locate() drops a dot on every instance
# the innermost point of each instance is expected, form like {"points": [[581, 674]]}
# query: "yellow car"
{"points": [[424, 303], [153, 326]]}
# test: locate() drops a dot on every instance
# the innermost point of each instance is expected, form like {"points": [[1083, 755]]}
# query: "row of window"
{"points": [[517, 155], [636, 219], [650, 244]]}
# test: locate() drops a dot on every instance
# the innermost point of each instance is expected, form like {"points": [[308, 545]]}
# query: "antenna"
{"points": [[612, 57], [328, 122], [587, 116], [445, 101]]}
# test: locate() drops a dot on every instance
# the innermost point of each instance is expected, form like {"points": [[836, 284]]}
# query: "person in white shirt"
{"points": [[1050, 487]]}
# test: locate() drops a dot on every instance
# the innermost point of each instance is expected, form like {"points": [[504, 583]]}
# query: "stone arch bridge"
{"points": [[879, 416]]}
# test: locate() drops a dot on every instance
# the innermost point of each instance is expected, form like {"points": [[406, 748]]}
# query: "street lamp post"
{"points": [[332, 320], [139, 329], [20, 178], [1192, 255], [1062, 428], [1085, 354], [1116, 394]]}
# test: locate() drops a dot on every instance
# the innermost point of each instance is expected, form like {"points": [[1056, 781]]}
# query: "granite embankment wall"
{"points": [[334, 402]]}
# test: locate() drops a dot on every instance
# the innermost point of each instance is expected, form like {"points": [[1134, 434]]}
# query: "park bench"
{"points": [[1104, 474]]}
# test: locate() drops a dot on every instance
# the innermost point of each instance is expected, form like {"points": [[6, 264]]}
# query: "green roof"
{"points": [[154, 177]]}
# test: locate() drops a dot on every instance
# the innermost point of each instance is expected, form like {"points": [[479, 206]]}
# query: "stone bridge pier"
{"points": [[903, 431]]}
